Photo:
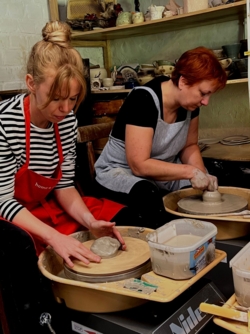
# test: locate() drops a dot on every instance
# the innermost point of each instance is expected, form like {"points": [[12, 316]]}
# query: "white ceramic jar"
{"points": [[156, 12], [99, 73]]}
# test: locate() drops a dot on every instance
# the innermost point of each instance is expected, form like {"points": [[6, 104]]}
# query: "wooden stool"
{"points": [[87, 154]]}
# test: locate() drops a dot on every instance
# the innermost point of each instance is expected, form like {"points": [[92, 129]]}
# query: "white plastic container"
{"points": [[240, 265], [182, 248]]}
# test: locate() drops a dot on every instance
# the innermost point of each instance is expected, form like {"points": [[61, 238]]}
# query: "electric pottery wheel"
{"points": [[121, 294], [212, 203], [189, 203], [133, 262]]}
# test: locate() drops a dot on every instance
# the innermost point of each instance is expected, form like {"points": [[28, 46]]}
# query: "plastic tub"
{"points": [[240, 265], [182, 248]]}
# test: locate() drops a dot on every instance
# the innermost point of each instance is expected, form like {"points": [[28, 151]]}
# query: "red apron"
{"points": [[33, 191]]}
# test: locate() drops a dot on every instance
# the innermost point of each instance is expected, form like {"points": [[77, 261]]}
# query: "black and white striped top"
{"points": [[43, 151]]}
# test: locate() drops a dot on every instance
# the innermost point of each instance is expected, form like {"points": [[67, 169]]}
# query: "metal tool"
{"points": [[45, 319]]}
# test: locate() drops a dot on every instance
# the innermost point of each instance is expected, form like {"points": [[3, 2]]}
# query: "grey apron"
{"points": [[112, 170]]}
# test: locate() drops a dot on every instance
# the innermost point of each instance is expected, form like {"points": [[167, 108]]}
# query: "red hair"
{"points": [[197, 65]]}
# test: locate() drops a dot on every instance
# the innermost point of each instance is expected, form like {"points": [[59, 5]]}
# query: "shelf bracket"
{"points": [[53, 10]]}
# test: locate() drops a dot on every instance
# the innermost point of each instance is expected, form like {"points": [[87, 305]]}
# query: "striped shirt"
{"points": [[43, 151]]}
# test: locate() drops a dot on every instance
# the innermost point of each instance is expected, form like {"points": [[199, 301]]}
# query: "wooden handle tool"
{"points": [[224, 312]]}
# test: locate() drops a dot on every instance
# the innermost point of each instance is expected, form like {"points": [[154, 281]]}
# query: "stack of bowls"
{"points": [[224, 60], [146, 73], [242, 66], [239, 65], [219, 53], [232, 50], [163, 67]]}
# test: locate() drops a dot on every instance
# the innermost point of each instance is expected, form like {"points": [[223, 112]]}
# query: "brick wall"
{"points": [[20, 28]]}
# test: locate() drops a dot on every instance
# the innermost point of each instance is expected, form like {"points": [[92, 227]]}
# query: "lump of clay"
{"points": [[105, 247]]}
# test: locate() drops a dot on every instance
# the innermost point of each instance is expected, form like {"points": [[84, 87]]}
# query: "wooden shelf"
{"points": [[227, 153], [229, 82], [237, 81], [223, 13], [110, 91]]}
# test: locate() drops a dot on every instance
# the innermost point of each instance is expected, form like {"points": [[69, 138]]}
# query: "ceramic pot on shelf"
{"points": [[99, 73], [137, 17], [232, 50], [124, 18], [225, 63], [156, 12]]}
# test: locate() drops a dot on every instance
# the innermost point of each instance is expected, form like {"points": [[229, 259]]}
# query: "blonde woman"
{"points": [[37, 194]]}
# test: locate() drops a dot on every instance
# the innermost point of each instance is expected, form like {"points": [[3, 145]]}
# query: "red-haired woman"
{"points": [[153, 147]]}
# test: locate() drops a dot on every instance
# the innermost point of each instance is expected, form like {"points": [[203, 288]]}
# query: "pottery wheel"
{"points": [[212, 203], [133, 262]]}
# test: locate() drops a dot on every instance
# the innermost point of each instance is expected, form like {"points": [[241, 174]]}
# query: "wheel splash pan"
{"points": [[229, 227], [119, 295]]}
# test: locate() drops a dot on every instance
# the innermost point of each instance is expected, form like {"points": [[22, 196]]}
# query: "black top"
{"points": [[139, 109]]}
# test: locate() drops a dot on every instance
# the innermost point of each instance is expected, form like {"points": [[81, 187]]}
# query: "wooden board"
{"points": [[136, 254], [232, 325], [53, 9], [226, 152]]}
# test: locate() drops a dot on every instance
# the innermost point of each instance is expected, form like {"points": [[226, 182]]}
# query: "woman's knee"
{"points": [[146, 199], [146, 194]]}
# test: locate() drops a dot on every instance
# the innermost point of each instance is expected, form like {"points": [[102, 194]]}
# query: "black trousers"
{"points": [[144, 200], [26, 293]]}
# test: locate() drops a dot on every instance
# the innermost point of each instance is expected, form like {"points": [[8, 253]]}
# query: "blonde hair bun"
{"points": [[57, 32]]}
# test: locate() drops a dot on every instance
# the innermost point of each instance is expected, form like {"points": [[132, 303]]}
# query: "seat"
{"points": [[88, 150]]}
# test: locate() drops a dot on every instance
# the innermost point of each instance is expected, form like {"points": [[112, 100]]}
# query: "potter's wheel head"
{"points": [[212, 203], [131, 263]]}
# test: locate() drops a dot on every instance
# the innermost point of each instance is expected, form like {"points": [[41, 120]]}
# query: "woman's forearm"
{"points": [[164, 171], [27, 221], [73, 204], [191, 155]]}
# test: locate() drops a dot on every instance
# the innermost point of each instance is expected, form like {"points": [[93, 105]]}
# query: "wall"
{"points": [[21, 25]]}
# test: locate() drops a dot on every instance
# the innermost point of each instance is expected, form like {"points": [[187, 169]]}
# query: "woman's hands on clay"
{"points": [[213, 182], [203, 181], [101, 228], [68, 247]]}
